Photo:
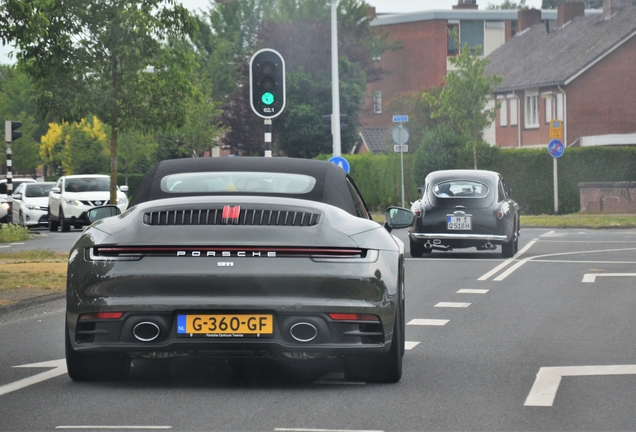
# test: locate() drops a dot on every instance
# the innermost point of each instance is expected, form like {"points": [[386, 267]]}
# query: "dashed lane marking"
{"points": [[428, 322], [591, 277], [472, 291], [410, 345], [452, 305]]}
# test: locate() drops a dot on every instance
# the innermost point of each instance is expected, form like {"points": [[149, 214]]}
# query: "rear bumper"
{"points": [[493, 238]]}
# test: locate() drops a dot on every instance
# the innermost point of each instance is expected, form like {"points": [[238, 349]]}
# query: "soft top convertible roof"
{"points": [[331, 187]]}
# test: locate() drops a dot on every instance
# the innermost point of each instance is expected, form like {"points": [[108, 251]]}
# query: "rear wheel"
{"points": [[416, 248], [95, 367], [53, 225], [63, 224], [386, 368], [509, 248]]}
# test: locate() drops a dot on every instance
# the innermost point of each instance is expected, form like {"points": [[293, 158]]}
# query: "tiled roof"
{"points": [[377, 139], [536, 58]]}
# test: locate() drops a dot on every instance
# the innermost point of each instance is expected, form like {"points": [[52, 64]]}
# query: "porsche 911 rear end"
{"points": [[232, 277]]}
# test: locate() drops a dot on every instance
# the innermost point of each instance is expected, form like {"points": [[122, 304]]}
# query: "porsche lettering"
{"points": [[225, 254]]}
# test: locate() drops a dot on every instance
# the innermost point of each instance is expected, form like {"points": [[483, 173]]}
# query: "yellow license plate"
{"points": [[225, 324]]}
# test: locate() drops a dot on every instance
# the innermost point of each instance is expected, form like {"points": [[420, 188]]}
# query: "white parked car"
{"points": [[31, 204], [4, 199], [74, 195]]}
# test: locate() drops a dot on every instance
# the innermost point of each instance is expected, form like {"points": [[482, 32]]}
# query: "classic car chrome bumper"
{"points": [[445, 236]]}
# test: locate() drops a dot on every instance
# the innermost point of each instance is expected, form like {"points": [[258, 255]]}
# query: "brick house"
{"points": [[422, 62], [580, 70]]}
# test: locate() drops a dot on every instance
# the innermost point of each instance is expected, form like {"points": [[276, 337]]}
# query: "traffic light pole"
{"points": [[10, 134], [268, 138]]}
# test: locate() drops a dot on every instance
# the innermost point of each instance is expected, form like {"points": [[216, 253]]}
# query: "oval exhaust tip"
{"points": [[303, 332], [146, 331]]}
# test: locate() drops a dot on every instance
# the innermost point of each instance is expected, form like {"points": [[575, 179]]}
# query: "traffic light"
{"points": [[10, 132], [267, 83], [326, 122]]}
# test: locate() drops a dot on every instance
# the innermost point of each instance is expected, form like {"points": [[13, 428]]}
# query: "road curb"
{"points": [[31, 302]]}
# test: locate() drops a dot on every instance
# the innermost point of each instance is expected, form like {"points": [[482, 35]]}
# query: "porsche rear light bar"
{"points": [[117, 253]]}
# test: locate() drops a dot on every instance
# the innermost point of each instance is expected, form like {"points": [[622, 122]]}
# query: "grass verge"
{"points": [[580, 220], [12, 233], [28, 273]]}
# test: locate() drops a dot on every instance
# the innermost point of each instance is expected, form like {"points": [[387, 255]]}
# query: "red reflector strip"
{"points": [[101, 315], [353, 317]]}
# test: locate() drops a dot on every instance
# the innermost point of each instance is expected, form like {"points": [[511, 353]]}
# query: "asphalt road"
{"points": [[544, 341]]}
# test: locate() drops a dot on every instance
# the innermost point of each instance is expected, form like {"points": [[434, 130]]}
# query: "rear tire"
{"points": [[386, 368], [509, 248], [95, 367], [53, 225], [65, 227], [416, 248]]}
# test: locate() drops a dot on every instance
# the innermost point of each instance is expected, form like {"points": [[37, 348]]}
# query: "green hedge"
{"points": [[528, 172]]}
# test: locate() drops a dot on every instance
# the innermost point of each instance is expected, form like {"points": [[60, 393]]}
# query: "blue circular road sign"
{"points": [[341, 162], [556, 148]]}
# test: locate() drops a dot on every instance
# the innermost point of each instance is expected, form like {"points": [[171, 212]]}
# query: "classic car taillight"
{"points": [[500, 214]]}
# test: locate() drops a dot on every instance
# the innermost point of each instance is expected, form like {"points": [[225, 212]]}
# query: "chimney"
{"points": [[612, 7], [466, 4], [372, 14], [526, 18], [567, 11]]}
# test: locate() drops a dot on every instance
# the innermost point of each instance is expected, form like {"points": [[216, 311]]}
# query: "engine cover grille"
{"points": [[245, 217]]}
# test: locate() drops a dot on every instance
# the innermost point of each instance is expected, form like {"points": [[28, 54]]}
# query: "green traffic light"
{"points": [[267, 98]]}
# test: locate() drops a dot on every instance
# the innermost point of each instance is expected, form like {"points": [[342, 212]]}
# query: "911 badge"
{"points": [[225, 264]]}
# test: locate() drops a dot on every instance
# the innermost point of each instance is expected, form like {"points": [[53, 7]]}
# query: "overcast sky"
{"points": [[382, 6]]}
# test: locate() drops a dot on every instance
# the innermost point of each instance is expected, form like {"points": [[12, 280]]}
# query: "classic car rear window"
{"points": [[237, 181], [460, 189]]}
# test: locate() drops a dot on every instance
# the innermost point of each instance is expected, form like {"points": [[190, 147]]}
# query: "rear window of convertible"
{"points": [[237, 181], [460, 189]]}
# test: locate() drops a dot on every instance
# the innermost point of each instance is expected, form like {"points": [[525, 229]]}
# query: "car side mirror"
{"points": [[123, 188], [98, 213], [17, 196], [55, 189], [398, 218]]}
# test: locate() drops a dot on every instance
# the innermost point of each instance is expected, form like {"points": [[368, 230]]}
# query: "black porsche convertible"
{"points": [[265, 258], [463, 209]]}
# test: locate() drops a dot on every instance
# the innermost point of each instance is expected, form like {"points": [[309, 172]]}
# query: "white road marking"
{"points": [[410, 345], [428, 322], [16, 244], [452, 305], [591, 277], [508, 261], [4, 247], [59, 368], [324, 430], [472, 291], [525, 260], [115, 427], [553, 234], [548, 379]]}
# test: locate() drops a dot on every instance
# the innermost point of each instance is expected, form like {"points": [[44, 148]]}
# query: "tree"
{"points": [[465, 94], [108, 58], [508, 4], [300, 31], [438, 151], [137, 153]]}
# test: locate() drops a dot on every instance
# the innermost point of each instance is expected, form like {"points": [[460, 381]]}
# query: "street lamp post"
{"points": [[335, 82]]}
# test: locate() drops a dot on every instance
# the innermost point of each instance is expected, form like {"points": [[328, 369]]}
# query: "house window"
{"points": [[559, 107], [548, 109], [503, 113], [513, 111], [452, 49], [377, 102], [531, 109]]}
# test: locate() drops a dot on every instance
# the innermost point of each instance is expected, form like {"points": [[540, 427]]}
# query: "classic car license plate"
{"points": [[225, 325], [459, 222]]}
